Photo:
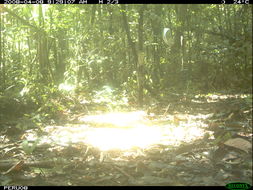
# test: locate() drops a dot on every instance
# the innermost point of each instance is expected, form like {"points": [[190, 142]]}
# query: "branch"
{"points": [[23, 20]]}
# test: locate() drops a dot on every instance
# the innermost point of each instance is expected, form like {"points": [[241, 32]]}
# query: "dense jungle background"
{"points": [[125, 94]]}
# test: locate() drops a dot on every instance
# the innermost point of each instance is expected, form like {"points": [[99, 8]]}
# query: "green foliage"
{"points": [[26, 122], [210, 51], [5, 180], [113, 99], [29, 146], [221, 138], [248, 100]]}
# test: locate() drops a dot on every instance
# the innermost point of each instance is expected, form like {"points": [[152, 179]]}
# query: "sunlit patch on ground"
{"points": [[124, 131], [117, 119], [217, 97]]}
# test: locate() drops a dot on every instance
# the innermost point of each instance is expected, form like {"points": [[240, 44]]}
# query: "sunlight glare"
{"points": [[119, 119], [124, 131], [106, 139], [66, 87]]}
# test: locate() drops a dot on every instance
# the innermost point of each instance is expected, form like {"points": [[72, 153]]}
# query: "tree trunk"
{"points": [[1, 60], [42, 50], [136, 57], [129, 39], [93, 14], [156, 28], [140, 63]]}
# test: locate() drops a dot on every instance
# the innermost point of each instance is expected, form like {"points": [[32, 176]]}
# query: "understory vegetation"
{"points": [[184, 70]]}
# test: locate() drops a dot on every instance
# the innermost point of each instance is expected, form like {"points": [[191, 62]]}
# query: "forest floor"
{"points": [[200, 141]]}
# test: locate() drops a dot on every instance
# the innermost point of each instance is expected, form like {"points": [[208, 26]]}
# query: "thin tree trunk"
{"points": [[93, 11], [129, 39], [135, 55], [140, 63], [2, 60]]}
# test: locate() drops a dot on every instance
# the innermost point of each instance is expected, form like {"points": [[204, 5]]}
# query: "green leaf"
{"points": [[29, 147]]}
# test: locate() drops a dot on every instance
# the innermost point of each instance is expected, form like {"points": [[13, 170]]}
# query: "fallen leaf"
{"points": [[151, 180], [239, 143], [157, 165], [5, 180], [16, 167]]}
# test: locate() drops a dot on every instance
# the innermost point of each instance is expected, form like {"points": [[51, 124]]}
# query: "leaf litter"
{"points": [[213, 147]]}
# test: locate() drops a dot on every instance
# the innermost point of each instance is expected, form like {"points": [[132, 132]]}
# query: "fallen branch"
{"points": [[123, 172], [6, 164]]}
